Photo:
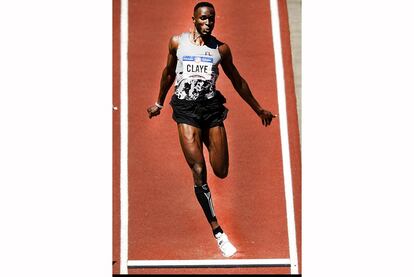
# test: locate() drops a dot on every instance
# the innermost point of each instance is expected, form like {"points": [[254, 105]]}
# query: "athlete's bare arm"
{"points": [[241, 86], [167, 78]]}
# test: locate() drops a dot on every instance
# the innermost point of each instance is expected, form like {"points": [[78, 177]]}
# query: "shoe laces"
{"points": [[222, 239]]}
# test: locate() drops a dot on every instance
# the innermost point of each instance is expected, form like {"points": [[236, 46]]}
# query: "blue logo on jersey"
{"points": [[197, 59]]}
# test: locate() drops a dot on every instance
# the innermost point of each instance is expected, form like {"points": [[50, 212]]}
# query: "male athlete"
{"points": [[198, 108]]}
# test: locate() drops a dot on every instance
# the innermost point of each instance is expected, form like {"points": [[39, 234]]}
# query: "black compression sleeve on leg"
{"points": [[203, 195]]}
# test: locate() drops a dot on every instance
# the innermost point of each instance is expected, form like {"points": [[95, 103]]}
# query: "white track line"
{"points": [[124, 139], [287, 173], [209, 263]]}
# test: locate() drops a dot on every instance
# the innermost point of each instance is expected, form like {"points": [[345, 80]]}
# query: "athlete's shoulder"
{"points": [[174, 41], [223, 48]]}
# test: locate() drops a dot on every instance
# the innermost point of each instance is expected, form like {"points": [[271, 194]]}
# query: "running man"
{"points": [[198, 109]]}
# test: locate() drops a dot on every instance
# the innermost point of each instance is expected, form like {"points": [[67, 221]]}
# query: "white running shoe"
{"points": [[227, 249]]}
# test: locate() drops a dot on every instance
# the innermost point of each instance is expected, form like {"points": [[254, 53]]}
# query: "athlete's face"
{"points": [[203, 20]]}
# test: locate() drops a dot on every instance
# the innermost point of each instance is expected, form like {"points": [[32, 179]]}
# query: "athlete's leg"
{"points": [[216, 142], [192, 146]]}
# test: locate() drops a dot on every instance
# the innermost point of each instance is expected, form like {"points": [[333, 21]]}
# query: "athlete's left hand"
{"points": [[153, 111], [266, 117]]}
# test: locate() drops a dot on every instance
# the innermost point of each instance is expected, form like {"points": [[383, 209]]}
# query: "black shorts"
{"points": [[201, 113]]}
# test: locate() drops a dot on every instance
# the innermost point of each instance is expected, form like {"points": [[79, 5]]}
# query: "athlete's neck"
{"points": [[198, 39]]}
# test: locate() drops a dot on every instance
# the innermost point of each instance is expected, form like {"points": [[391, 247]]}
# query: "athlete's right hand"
{"points": [[266, 117], [153, 111]]}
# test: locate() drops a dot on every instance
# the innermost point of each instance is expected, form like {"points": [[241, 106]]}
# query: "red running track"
{"points": [[165, 220]]}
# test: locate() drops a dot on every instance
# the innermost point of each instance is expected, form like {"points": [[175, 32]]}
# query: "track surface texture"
{"points": [[165, 219]]}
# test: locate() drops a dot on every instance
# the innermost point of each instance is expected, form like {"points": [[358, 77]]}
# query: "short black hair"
{"points": [[203, 4]]}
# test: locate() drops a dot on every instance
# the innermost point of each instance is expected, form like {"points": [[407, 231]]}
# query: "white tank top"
{"points": [[197, 68]]}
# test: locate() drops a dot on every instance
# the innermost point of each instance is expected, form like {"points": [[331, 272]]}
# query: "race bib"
{"points": [[197, 67]]}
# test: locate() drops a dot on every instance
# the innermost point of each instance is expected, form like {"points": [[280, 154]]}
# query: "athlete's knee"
{"points": [[198, 169], [222, 172]]}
